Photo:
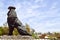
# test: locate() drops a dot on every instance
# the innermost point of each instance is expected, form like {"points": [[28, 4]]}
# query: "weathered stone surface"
{"points": [[16, 37]]}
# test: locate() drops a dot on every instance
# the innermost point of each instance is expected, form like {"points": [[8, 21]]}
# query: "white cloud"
{"points": [[53, 5], [38, 0]]}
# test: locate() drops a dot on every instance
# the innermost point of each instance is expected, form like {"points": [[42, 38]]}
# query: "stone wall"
{"points": [[19, 37]]}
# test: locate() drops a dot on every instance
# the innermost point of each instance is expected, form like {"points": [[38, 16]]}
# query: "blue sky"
{"points": [[41, 15]]}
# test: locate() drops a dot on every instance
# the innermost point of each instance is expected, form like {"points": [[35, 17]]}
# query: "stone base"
{"points": [[16, 37]]}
